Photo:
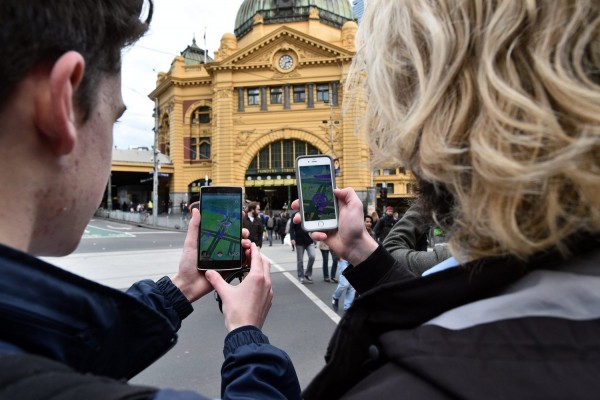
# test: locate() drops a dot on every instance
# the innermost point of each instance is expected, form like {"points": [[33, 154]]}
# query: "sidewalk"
{"points": [[163, 221]]}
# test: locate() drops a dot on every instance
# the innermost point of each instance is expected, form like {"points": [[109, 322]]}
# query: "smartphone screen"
{"points": [[219, 239], [318, 205]]}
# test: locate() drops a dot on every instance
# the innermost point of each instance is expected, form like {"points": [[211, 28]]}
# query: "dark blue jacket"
{"points": [[91, 328]]}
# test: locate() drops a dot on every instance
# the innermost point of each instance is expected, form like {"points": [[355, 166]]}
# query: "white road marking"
{"points": [[324, 307], [125, 228]]}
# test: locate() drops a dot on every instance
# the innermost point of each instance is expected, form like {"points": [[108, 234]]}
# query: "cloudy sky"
{"points": [[174, 24]]}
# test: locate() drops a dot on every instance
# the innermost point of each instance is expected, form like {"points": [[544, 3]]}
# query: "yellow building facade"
{"points": [[272, 92]]}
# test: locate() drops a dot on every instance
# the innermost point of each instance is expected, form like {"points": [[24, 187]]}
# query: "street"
{"points": [[300, 322]]}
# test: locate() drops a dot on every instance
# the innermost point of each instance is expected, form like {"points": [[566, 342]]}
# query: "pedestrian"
{"points": [[385, 224], [283, 226], [277, 226], [369, 225], [495, 107], [63, 336], [270, 227], [325, 256], [343, 286], [302, 241], [185, 211], [253, 222]]}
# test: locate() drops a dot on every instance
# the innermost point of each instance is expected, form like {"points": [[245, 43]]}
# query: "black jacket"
{"points": [[493, 329], [298, 234], [256, 229], [383, 227]]}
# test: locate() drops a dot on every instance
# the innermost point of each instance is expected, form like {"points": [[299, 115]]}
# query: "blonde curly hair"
{"points": [[496, 101]]}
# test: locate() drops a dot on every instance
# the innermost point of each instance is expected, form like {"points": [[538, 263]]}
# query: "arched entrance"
{"points": [[271, 175], [194, 188]]}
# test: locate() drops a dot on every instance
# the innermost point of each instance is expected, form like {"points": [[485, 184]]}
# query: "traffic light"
{"points": [[383, 193]]}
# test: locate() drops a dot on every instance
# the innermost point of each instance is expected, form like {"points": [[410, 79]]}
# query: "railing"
{"points": [[172, 221]]}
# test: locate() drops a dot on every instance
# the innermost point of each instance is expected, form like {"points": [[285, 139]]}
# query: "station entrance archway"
{"points": [[271, 175]]}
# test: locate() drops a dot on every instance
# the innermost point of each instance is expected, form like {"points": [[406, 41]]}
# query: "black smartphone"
{"points": [[219, 238], [316, 180]]}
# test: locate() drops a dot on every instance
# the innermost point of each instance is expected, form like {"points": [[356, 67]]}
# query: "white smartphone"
{"points": [[316, 179]]}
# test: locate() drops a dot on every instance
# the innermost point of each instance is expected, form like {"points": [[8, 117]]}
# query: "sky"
{"points": [[174, 25]]}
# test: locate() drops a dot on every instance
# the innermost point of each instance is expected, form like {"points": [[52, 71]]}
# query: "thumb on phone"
{"points": [[216, 280]]}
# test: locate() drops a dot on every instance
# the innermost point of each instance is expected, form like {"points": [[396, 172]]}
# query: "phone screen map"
{"points": [[220, 227], [317, 192]]}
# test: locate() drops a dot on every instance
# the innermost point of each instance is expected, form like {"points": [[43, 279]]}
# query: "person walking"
{"points": [[253, 222], [283, 225], [385, 224], [302, 241], [343, 286], [325, 256], [270, 227]]}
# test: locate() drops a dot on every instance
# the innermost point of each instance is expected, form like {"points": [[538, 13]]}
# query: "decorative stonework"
{"points": [[257, 19], [348, 35], [223, 94], [243, 138]]}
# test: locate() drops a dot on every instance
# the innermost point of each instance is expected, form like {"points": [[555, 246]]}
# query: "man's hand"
{"points": [[188, 279], [249, 302]]}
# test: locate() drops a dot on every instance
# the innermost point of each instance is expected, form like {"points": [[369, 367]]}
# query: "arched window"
{"points": [[205, 149], [280, 156], [201, 115], [199, 148]]}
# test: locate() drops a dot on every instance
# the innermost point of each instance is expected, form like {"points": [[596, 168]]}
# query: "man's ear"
{"points": [[56, 120]]}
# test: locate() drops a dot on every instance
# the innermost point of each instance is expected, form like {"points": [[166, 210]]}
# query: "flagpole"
{"points": [[205, 47]]}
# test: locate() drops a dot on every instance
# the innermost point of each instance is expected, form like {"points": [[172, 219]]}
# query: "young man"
{"points": [[60, 94], [302, 241], [385, 224], [495, 105], [254, 223]]}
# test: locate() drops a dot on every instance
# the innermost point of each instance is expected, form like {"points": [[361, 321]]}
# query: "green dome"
{"points": [[331, 12]]}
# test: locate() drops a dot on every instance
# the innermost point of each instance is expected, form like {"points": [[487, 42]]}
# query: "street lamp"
{"points": [[332, 124], [155, 161]]}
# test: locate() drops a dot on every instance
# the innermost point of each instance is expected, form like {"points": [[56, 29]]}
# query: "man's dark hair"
{"points": [[34, 32], [252, 206], [435, 202]]}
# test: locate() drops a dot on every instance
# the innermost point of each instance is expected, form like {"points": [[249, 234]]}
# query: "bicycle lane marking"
{"points": [[94, 232], [312, 297]]}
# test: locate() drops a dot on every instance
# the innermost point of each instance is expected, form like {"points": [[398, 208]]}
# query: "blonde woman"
{"points": [[495, 107]]}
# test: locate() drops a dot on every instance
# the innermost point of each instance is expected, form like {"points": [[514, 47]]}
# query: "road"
{"points": [[300, 321]]}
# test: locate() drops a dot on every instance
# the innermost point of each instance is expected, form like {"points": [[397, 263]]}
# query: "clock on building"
{"points": [[286, 62]]}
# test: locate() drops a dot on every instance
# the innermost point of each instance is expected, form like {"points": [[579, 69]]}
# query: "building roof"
{"points": [[138, 155], [195, 55], [331, 12]]}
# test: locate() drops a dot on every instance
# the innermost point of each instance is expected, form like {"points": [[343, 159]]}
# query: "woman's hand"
{"points": [[249, 302], [350, 241]]}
